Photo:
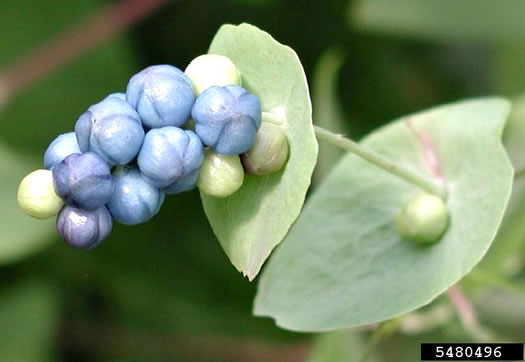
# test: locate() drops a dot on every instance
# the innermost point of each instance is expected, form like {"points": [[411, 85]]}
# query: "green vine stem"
{"points": [[419, 180]]}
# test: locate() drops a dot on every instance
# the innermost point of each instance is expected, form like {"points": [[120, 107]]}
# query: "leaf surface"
{"points": [[343, 263]]}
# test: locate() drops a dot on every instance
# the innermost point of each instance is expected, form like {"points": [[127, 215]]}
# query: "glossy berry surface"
{"points": [[170, 158], [119, 95], [61, 147], [227, 119], [162, 95], [112, 129], [83, 180], [134, 200], [83, 229]]}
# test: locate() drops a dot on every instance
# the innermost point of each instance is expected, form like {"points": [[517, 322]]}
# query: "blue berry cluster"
{"points": [[129, 150]]}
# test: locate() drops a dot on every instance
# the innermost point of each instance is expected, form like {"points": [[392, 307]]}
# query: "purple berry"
{"points": [[83, 229], [83, 180]]}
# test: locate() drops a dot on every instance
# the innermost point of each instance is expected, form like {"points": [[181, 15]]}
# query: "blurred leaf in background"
{"points": [[328, 112], [502, 310], [472, 20], [340, 346], [29, 316], [506, 255], [31, 120], [462, 23]]}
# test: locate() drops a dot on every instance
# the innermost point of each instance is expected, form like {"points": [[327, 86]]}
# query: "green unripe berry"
{"points": [[423, 219], [269, 153], [210, 69], [220, 175], [37, 196]]}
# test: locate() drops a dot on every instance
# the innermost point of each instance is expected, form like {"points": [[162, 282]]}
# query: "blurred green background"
{"points": [[165, 291]]}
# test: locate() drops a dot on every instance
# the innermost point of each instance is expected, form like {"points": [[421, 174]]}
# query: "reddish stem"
{"points": [[463, 307], [80, 38], [467, 315], [429, 154]]}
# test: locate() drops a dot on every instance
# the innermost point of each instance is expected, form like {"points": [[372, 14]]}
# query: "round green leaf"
{"points": [[506, 253], [251, 222], [343, 263]]}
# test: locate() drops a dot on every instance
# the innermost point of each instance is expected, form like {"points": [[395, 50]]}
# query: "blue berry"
{"points": [[112, 129], [162, 95], [83, 229], [186, 182], [227, 119], [118, 95], [170, 158], [83, 180], [134, 200], [63, 146]]}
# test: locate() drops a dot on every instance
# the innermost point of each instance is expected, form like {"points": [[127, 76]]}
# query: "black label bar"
{"points": [[472, 351]]}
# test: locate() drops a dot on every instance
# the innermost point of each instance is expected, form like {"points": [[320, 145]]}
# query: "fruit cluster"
{"points": [[170, 131]]}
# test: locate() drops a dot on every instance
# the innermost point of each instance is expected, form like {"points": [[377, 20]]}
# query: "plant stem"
{"points": [[71, 43], [419, 322], [359, 150], [384, 330], [467, 315]]}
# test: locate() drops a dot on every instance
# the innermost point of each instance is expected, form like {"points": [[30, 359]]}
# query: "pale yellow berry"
{"points": [[210, 69], [220, 175], [269, 153], [37, 197]]}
